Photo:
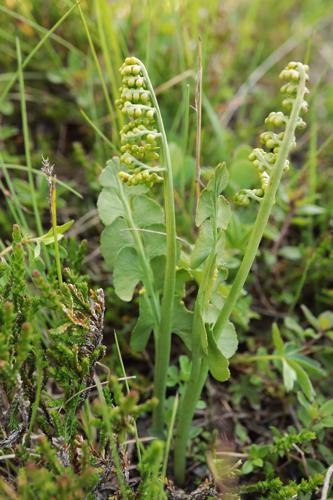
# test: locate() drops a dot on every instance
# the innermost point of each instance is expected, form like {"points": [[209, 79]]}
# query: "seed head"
{"points": [[139, 137], [264, 159]]}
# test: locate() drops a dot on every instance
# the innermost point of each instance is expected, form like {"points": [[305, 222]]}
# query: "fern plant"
{"points": [[142, 138], [139, 242], [272, 163]]}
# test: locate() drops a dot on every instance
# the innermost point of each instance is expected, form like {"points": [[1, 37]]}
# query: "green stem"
{"points": [[53, 210], [163, 342], [26, 138], [263, 215], [13, 198], [103, 19], [199, 374], [98, 66], [169, 436], [186, 411]]}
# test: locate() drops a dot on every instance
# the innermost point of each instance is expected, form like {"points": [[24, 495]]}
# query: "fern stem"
{"points": [[163, 342], [193, 389]]}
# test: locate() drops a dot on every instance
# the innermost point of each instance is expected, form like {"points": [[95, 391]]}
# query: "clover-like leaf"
{"points": [[203, 245], [127, 273], [223, 213], [146, 211], [182, 323], [115, 237], [219, 180], [219, 213], [109, 206], [205, 207], [212, 205], [227, 340], [154, 241], [217, 363], [108, 177]]}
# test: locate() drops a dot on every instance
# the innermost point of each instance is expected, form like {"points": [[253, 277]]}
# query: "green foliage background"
{"points": [[70, 80]]}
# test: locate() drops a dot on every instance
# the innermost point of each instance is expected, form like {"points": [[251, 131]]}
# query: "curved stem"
{"points": [[198, 376], [163, 343], [263, 214]]}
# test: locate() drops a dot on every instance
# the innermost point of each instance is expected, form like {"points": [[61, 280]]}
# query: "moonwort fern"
{"points": [[273, 163], [142, 139], [139, 241]]}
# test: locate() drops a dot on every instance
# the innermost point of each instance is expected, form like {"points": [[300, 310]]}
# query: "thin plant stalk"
{"points": [[53, 210], [98, 131], [193, 389], [48, 170], [170, 434], [199, 369], [198, 105], [26, 138], [102, 19], [185, 126], [13, 199], [98, 66], [163, 343]]}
